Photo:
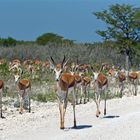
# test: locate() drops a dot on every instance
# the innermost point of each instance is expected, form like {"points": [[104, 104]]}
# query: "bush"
{"points": [[44, 97]]}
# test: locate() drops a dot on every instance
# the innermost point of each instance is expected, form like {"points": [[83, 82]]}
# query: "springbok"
{"points": [[15, 62], [100, 85], [131, 77], [120, 79], [82, 82], [138, 74], [78, 80], [85, 85], [2, 61], [65, 84], [22, 85], [1, 90]]}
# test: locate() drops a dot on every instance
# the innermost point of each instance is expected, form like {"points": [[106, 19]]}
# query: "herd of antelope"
{"points": [[72, 78]]}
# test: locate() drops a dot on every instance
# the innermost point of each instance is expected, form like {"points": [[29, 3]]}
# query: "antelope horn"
{"points": [[52, 60], [101, 68], [63, 60]]}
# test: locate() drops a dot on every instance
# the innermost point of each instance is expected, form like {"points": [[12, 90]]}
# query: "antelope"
{"points": [[14, 63], [37, 62], [133, 79], [78, 80], [15, 68], [28, 66], [65, 83], [82, 82], [86, 85], [22, 85], [120, 77], [138, 74], [100, 84], [83, 67], [2, 61], [1, 90]]}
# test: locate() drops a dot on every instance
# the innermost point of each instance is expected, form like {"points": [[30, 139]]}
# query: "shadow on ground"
{"points": [[111, 116], [81, 127]]}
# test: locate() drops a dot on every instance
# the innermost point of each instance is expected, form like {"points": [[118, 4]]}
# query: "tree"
{"points": [[49, 38], [7, 42], [68, 42], [123, 26], [53, 38]]}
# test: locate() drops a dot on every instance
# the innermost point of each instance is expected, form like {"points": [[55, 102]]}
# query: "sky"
{"points": [[72, 19]]}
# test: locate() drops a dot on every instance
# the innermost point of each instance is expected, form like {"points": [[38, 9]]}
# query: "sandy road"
{"points": [[121, 123]]}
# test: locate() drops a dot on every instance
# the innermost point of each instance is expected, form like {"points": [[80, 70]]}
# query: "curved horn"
{"points": [[63, 60], [52, 60], [101, 68], [13, 67]]}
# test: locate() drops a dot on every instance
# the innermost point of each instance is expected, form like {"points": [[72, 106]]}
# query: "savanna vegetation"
{"points": [[121, 40]]}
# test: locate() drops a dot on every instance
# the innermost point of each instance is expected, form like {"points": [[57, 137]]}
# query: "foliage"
{"points": [[93, 54], [4, 71], [44, 97], [49, 38], [8, 42], [123, 24]]}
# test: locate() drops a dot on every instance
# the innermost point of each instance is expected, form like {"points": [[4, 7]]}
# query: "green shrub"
{"points": [[44, 97]]}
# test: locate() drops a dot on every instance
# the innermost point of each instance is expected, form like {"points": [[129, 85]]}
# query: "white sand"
{"points": [[121, 123]]}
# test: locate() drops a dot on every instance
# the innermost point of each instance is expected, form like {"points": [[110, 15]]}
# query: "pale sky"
{"points": [[72, 19]]}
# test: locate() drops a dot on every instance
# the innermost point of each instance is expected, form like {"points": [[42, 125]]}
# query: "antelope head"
{"points": [[73, 69], [58, 68], [13, 66], [116, 74], [96, 74]]}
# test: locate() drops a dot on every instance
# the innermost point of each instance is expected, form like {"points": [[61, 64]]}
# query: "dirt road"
{"points": [[122, 122]]}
